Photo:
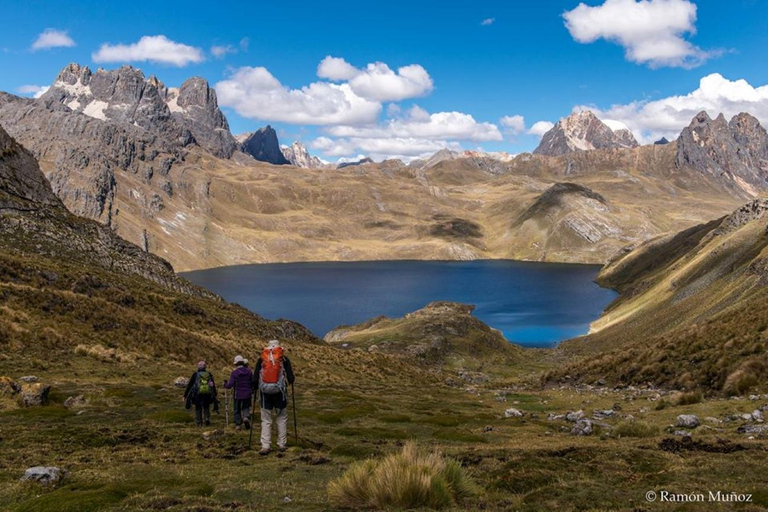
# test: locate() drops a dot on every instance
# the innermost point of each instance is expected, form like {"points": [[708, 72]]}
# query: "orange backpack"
{"points": [[272, 376]]}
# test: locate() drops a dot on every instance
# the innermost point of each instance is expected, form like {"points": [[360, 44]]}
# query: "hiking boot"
{"points": [[207, 423], [237, 427], [247, 424], [282, 449], [264, 451]]}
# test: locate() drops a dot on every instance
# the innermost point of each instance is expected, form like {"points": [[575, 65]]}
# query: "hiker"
{"points": [[272, 374], [241, 380], [201, 391]]}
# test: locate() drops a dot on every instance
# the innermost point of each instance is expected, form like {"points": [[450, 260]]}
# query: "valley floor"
{"points": [[134, 447]]}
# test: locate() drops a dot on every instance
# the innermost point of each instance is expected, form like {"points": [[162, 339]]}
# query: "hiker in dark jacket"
{"points": [[201, 391], [241, 380], [271, 400]]}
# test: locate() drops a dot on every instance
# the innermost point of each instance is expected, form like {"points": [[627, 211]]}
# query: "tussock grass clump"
{"points": [[413, 478], [694, 397], [635, 428], [105, 354]]}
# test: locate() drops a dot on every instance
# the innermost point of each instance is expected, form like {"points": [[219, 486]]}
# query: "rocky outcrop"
{"points": [[734, 153], [361, 161], [33, 218], [583, 131], [298, 155], [662, 142], [187, 115], [263, 146]]}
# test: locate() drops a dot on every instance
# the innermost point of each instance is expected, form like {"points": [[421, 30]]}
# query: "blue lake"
{"points": [[533, 304]]}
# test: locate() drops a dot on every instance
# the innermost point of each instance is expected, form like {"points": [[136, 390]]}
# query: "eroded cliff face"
{"points": [[33, 220], [734, 153]]}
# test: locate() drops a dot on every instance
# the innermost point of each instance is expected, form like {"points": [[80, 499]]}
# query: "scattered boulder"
{"points": [[687, 421], [75, 402], [583, 427], [682, 433], [473, 377], [29, 379], [44, 475], [574, 416], [210, 435], [181, 382], [513, 413], [8, 387], [753, 429], [710, 419], [601, 415], [555, 417], [34, 395], [757, 415]]}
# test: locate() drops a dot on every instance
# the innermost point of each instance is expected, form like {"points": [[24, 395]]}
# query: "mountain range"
{"points": [[159, 166]]}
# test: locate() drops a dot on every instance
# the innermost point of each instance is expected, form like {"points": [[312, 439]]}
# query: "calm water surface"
{"points": [[534, 304]]}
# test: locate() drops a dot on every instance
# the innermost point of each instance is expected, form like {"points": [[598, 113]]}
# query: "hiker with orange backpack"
{"points": [[271, 377]]}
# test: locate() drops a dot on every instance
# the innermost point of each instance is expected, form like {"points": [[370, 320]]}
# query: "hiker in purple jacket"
{"points": [[241, 380]]}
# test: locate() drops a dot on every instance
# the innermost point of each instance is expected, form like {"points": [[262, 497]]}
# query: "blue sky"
{"points": [[622, 57]]}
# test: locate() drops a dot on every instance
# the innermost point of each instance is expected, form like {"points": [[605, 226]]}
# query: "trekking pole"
{"points": [[250, 435], [295, 423], [226, 406]]}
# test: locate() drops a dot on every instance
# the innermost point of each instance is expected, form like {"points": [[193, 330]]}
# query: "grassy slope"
{"points": [[692, 312]]}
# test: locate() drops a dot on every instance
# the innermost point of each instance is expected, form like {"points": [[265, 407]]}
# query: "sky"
{"points": [[405, 79]]}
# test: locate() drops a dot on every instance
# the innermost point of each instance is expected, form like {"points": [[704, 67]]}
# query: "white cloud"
{"points": [[381, 148], [421, 124], [651, 31], [254, 93], [244, 44], [35, 90], [379, 82], [666, 117], [336, 69], [157, 49], [221, 51], [52, 38], [487, 21], [514, 124], [540, 128]]}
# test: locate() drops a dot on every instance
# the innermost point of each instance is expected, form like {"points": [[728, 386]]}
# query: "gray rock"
{"points": [[608, 413], [583, 427], [34, 395], [687, 421], [44, 475], [29, 379], [181, 382], [574, 416], [75, 402], [555, 417], [682, 433], [759, 430], [757, 415], [513, 413]]}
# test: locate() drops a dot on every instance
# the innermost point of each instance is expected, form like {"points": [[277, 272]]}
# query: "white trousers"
{"points": [[266, 427]]}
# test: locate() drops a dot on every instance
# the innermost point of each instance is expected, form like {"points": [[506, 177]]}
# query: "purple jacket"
{"points": [[241, 380]]}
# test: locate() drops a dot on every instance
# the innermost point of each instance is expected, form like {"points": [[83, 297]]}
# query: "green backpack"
{"points": [[204, 383]]}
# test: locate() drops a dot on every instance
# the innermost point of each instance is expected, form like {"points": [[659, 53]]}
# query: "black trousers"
{"points": [[203, 409], [242, 410]]}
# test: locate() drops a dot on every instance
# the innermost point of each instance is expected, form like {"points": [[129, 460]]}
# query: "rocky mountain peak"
{"points": [[583, 131], [734, 153], [263, 146], [189, 114], [298, 154]]}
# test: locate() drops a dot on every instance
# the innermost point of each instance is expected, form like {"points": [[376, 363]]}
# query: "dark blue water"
{"points": [[534, 304]]}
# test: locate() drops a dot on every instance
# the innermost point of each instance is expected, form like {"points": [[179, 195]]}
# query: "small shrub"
{"points": [[413, 478], [694, 397], [635, 429]]}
